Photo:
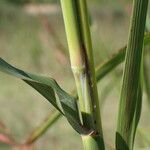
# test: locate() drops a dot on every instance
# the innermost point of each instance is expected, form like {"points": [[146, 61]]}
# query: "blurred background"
{"points": [[32, 37]]}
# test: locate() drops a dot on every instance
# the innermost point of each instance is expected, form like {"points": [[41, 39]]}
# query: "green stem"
{"points": [[129, 98], [92, 143], [147, 79], [38, 132], [82, 64], [101, 71]]}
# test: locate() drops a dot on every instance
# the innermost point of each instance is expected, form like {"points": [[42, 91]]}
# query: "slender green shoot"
{"points": [[80, 47], [147, 79], [38, 132], [130, 88]]}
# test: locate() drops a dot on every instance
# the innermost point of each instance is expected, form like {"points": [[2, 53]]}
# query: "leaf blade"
{"points": [[47, 87]]}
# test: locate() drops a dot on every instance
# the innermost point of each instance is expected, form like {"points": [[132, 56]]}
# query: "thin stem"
{"points": [[82, 64], [81, 4], [38, 132], [147, 79], [106, 67], [129, 98]]}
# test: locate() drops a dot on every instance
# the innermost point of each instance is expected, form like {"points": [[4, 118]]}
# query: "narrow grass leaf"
{"points": [[48, 87]]}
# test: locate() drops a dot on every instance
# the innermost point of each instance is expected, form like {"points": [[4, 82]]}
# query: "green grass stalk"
{"points": [[129, 94], [39, 131], [147, 80], [82, 64]]}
